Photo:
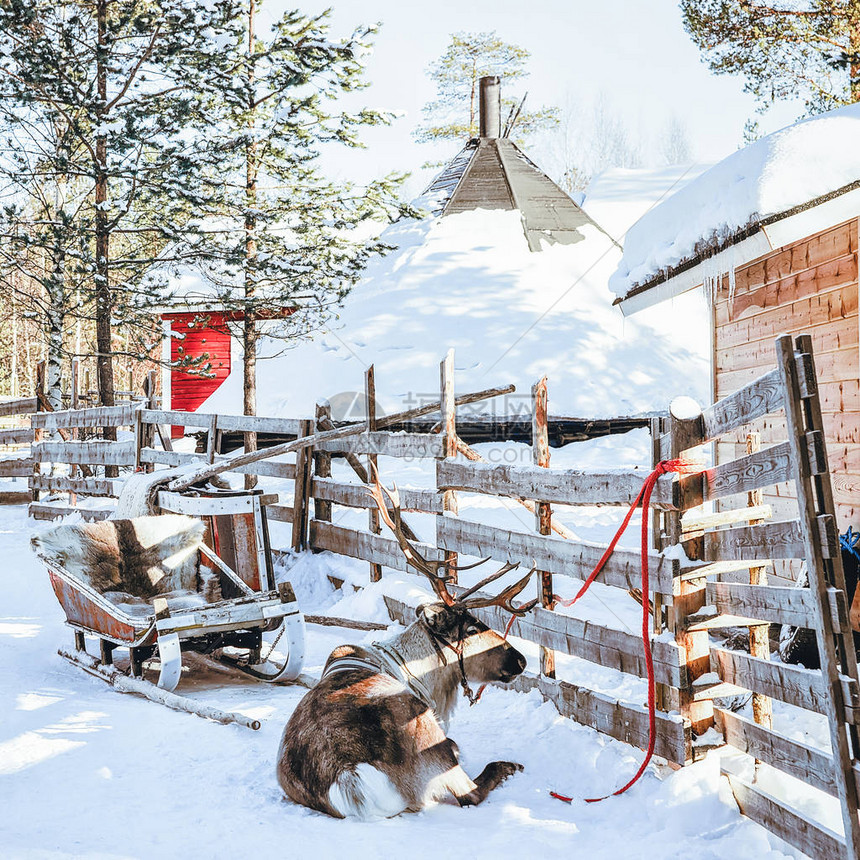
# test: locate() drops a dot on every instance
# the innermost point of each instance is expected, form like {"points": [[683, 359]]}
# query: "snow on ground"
{"points": [[468, 281], [768, 177], [87, 772]]}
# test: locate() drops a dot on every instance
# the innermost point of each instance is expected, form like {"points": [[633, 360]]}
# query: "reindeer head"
{"points": [[483, 655]]}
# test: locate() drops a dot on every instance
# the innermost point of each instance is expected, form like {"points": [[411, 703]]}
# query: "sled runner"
{"points": [[158, 585]]}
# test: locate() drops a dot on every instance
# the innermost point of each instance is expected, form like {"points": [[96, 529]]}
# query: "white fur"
{"points": [[365, 793], [174, 538]]}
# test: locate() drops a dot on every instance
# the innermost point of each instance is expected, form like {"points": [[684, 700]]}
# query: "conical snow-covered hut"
{"points": [[507, 270]]}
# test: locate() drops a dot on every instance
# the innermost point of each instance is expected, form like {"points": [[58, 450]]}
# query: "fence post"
{"points": [[684, 434], [762, 706], [543, 510], [74, 433], [38, 433], [149, 429], [662, 693], [301, 489], [449, 441], [322, 462], [370, 411]]}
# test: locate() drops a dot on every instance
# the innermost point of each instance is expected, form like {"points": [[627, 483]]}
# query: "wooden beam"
{"points": [[775, 604], [808, 764], [796, 829], [86, 486], [94, 416], [357, 496], [563, 557], [562, 486], [20, 406], [17, 436], [259, 467], [370, 412], [765, 542], [99, 452], [791, 684], [47, 511], [365, 546], [18, 468]]}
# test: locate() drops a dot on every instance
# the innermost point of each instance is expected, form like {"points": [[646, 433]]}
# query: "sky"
{"points": [[633, 54]]}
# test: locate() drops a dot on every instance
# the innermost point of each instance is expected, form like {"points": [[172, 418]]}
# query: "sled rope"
{"points": [[680, 466]]}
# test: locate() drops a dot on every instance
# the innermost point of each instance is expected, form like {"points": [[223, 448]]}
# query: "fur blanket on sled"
{"points": [[143, 557]]}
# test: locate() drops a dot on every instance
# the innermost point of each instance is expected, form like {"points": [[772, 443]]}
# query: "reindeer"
{"points": [[369, 740]]}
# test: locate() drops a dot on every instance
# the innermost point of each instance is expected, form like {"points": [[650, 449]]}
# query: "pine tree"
{"points": [[807, 49], [454, 113], [277, 236], [120, 79]]}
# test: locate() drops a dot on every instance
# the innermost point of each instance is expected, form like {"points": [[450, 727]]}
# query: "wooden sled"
{"points": [[258, 630]]}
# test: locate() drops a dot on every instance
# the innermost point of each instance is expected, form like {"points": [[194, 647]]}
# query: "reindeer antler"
{"points": [[430, 569], [503, 598]]}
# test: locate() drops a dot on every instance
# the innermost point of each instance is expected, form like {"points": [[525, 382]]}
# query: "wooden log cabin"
{"points": [[787, 271]]}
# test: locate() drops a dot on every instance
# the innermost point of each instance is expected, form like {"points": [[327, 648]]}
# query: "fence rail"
{"points": [[689, 599]]}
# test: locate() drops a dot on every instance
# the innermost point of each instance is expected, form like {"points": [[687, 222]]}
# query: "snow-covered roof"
{"points": [[493, 173], [618, 197], [796, 168], [469, 281]]}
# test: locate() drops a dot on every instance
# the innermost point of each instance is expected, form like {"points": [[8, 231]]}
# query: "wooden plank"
{"points": [[364, 546], [100, 452], [46, 511], [372, 460], [768, 541], [563, 486], [228, 423], [813, 766], [17, 436], [835, 304], [606, 646], [760, 397], [840, 335], [543, 512], [21, 406], [357, 496], [266, 468], [791, 684], [693, 521], [86, 486], [281, 513], [417, 445], [812, 839], [94, 416], [16, 468], [620, 720], [782, 292], [776, 604], [750, 472], [564, 557]]}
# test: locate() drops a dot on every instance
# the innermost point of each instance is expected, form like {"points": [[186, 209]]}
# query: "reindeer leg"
{"points": [[493, 775], [470, 792]]}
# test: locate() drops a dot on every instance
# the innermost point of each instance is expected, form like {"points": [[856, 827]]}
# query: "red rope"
{"points": [[644, 497]]}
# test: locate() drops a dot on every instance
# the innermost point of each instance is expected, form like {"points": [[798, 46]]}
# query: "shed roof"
{"points": [[776, 190]]}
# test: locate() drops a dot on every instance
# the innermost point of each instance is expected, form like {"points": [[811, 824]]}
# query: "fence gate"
{"points": [[813, 537]]}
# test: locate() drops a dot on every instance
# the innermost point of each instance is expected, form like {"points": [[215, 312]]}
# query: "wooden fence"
{"points": [[727, 556]]}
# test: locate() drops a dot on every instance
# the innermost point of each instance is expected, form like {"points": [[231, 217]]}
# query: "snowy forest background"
{"points": [[140, 138]]}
